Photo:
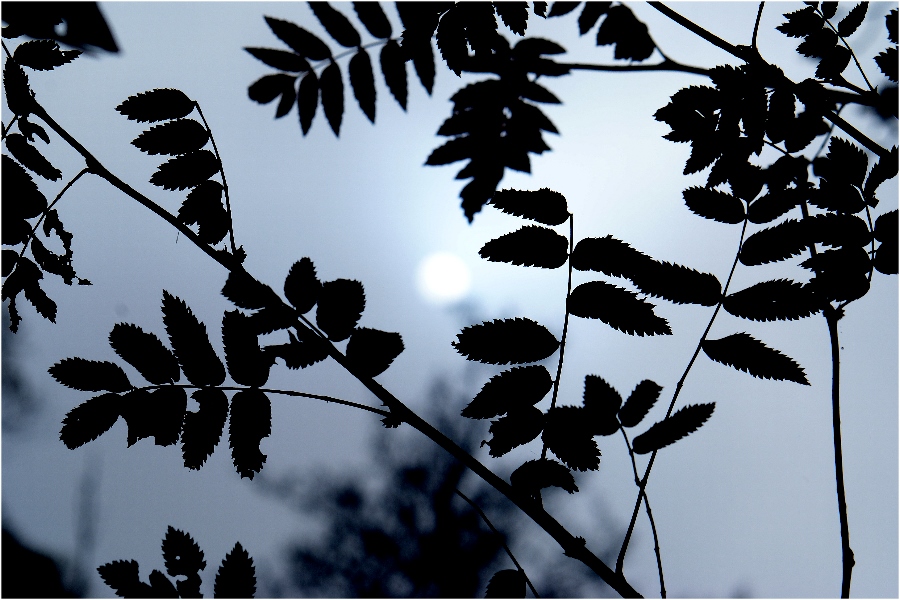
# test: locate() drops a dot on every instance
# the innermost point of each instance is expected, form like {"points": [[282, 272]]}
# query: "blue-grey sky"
{"points": [[745, 504]]}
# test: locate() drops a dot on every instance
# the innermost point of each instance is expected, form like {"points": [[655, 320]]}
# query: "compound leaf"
{"points": [[190, 343], [508, 583], [601, 403], [618, 308], [535, 475], [371, 351], [251, 421], [88, 421], [203, 429], [43, 55], [145, 352], [514, 15], [746, 353], [90, 375], [156, 105], [776, 300], [307, 100], [174, 137], [506, 341], [668, 431], [236, 577], [340, 306], [246, 292], [639, 403], [186, 171], [21, 196], [776, 243], [519, 386], [849, 24], [677, 283], [531, 246], [543, 205], [247, 363], [610, 256]]}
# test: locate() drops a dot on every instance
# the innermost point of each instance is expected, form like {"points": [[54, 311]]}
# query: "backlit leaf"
{"points": [[251, 421], [300, 354], [543, 205], [43, 55], [174, 137], [519, 386], [601, 403], [298, 39], [393, 66], [568, 435], [15, 84], [236, 577], [280, 59], [88, 421], [853, 20], [558, 9], [617, 307], [181, 553], [247, 363], [535, 475], [514, 15], [715, 205], [21, 196], [246, 292], [186, 171], [336, 24], [775, 300], [668, 431], [776, 243], [156, 105], [122, 576], [610, 256], [363, 83], [301, 286], [639, 403], [203, 429], [887, 62], [745, 353], [268, 87], [190, 343], [145, 352], [518, 427], [801, 23], [677, 283], [591, 12], [30, 157], [340, 306], [506, 341], [203, 206], [531, 246], [332, 87], [508, 583], [307, 100], [90, 375], [373, 19], [631, 37], [371, 351]]}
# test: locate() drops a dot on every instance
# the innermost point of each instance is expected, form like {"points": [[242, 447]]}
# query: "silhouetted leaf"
{"points": [[373, 19], [307, 100], [589, 15], [363, 83], [890, 21], [558, 9], [886, 258], [884, 169], [837, 230], [540, 9], [610, 256], [451, 38], [189, 341], [543, 205], [251, 421], [156, 105], [393, 66], [90, 375], [887, 62], [506, 341], [86, 422], [518, 427], [639, 403], [187, 170], [340, 306], [601, 403], [203, 206], [774, 204], [175, 137], [567, 433], [844, 163], [514, 15], [181, 553], [15, 84], [247, 363], [371, 351], [236, 577], [746, 353], [622, 28], [15, 231], [332, 96], [159, 413], [299, 40], [519, 386], [780, 115], [853, 20], [301, 286], [833, 63], [677, 283], [268, 87], [203, 429], [819, 43], [776, 243], [280, 59], [122, 576], [43, 55], [841, 274], [30, 157], [535, 475], [299, 354], [145, 352], [8, 260], [531, 246], [39, 299], [801, 23], [246, 292], [21, 196], [50, 262], [775, 300], [508, 583], [828, 9], [886, 227], [617, 307], [668, 431], [715, 205]]}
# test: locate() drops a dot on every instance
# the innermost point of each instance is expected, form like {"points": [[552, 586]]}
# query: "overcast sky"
{"points": [[746, 504]]}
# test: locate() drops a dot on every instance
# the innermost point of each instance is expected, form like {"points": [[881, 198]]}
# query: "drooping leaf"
{"points": [[668, 431], [50, 262], [186, 171], [849, 24], [506, 341], [531, 246], [268, 87], [371, 351], [251, 421], [236, 577], [715, 205], [508, 583], [145, 352], [776, 300], [203, 429], [88, 421], [617, 307], [393, 66], [601, 403], [246, 292], [362, 81], [332, 87], [298, 39], [307, 100], [884, 169], [156, 105], [746, 353], [451, 38], [373, 19], [519, 386], [514, 15], [174, 137], [203, 206], [90, 375], [30, 157], [567, 433], [190, 343], [336, 24], [280, 59], [340, 305], [535, 475], [43, 55], [123, 577], [38, 298], [518, 427], [543, 205], [639, 403]]}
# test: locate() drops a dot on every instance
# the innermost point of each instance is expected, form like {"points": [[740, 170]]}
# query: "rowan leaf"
{"points": [[601, 402], [668, 431], [371, 351], [639, 403], [780, 242], [251, 421], [535, 475], [186, 171], [88, 421], [746, 353], [631, 38], [393, 66], [18, 92], [298, 39], [508, 583], [268, 87], [519, 386], [90, 375], [776, 300], [336, 24], [30, 157], [801, 23], [531, 246], [617, 307], [247, 363], [340, 306], [301, 286], [181, 553], [567, 433], [236, 577], [160, 104], [518, 427], [21, 196], [591, 12], [203, 206], [543, 205], [514, 15], [307, 100], [506, 341], [363, 83], [373, 19], [280, 59], [190, 343], [559, 9], [677, 283], [43, 55], [145, 352], [173, 137], [849, 24], [123, 577], [610, 256], [202, 430], [246, 292], [713, 204], [332, 87], [299, 354]]}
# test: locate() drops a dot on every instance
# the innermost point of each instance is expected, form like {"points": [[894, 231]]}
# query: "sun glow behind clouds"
{"points": [[443, 278]]}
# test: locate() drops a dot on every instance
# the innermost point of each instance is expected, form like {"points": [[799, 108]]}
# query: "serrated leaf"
{"points": [[332, 87], [301, 286], [30, 157], [519, 386], [340, 306], [677, 283], [506, 341], [639, 403], [371, 351], [617, 307], [518, 427], [801, 23], [190, 343], [299, 354], [543, 205], [268, 87], [631, 37], [280, 59], [886, 259], [451, 39], [601, 403], [886, 227], [251, 421], [535, 475], [123, 577], [247, 363], [715, 205], [833, 63], [43, 55], [746, 353], [159, 413], [50, 262], [531, 246], [558, 9], [156, 105], [668, 431], [174, 137], [829, 9], [186, 171], [849, 24], [161, 586], [18, 93], [591, 12], [508, 583], [363, 83], [21, 196], [181, 553], [203, 429], [236, 577], [246, 292], [90, 375], [393, 66], [567, 433], [610, 256], [8, 259], [776, 243], [514, 15], [145, 352], [775, 300], [307, 100], [373, 19], [203, 206], [40, 300], [884, 169], [89, 420], [336, 24], [775, 204], [887, 62], [299, 40]]}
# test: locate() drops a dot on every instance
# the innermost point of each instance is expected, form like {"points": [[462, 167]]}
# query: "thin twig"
{"points": [[667, 65], [8, 127], [502, 541], [756, 26]]}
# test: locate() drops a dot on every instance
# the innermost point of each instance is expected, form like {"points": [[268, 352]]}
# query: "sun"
{"points": [[443, 278]]}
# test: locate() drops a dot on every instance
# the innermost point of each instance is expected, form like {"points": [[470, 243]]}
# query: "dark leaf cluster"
{"points": [[619, 27], [821, 39]]}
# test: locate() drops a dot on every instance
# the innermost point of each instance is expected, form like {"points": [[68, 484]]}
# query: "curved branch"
{"points": [[666, 65]]}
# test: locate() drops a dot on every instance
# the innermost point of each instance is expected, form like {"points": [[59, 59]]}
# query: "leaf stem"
{"points": [[224, 182], [502, 540], [756, 25], [6, 128], [852, 53], [666, 65]]}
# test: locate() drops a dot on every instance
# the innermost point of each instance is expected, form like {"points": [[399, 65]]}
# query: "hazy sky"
{"points": [[747, 504]]}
